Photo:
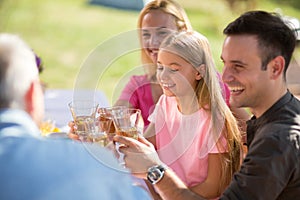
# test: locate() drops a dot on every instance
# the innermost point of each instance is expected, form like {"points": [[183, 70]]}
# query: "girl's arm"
{"points": [[210, 188], [150, 134]]}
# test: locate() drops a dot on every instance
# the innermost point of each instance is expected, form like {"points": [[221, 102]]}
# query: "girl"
{"points": [[191, 127]]}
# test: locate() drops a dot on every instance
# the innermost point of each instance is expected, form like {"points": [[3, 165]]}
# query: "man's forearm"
{"points": [[171, 187]]}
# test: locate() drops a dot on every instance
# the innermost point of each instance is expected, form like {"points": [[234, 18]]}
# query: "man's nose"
{"points": [[227, 75]]}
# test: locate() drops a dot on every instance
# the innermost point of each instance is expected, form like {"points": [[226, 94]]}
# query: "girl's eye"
{"points": [[160, 67]]}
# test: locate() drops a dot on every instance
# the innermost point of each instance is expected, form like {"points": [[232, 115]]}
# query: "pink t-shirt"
{"points": [[184, 141], [138, 92]]}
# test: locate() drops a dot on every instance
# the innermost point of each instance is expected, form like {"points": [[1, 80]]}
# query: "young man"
{"points": [[256, 53], [34, 168]]}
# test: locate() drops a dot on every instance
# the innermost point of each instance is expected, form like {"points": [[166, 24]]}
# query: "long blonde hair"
{"points": [[169, 7], [195, 49]]}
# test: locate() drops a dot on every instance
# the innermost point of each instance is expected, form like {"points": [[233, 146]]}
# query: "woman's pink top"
{"points": [[139, 94], [184, 141]]}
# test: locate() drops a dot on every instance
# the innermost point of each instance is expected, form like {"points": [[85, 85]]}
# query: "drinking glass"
{"points": [[84, 116], [106, 115], [100, 135], [128, 122]]}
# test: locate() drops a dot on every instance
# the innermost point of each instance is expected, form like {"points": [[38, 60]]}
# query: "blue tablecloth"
{"points": [[57, 100]]}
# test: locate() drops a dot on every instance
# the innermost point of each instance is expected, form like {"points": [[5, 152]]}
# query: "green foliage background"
{"points": [[64, 32]]}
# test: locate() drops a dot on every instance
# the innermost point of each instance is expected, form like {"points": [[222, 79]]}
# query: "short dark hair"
{"points": [[274, 36]]}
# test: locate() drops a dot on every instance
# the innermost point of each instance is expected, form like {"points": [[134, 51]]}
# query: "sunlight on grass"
{"points": [[65, 32]]}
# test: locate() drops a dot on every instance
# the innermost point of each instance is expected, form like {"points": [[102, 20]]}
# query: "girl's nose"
{"points": [[162, 74]]}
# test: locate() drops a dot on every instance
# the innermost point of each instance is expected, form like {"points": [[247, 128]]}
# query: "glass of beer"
{"points": [[128, 122], [106, 115], [84, 116], [100, 135], [105, 129]]}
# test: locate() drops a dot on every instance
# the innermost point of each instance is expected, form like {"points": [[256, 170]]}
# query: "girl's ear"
{"points": [[200, 71]]}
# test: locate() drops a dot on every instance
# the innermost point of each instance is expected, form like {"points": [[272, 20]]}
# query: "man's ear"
{"points": [[200, 71], [29, 98], [33, 101], [277, 67]]}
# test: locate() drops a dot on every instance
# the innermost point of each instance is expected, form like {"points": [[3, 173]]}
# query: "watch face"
{"points": [[155, 174]]}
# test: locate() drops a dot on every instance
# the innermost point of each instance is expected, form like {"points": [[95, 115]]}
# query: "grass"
{"points": [[65, 33]]}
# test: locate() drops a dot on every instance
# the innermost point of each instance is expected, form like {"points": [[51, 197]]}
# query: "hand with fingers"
{"points": [[72, 135], [139, 155]]}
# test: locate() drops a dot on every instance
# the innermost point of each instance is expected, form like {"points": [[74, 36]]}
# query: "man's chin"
{"points": [[236, 104]]}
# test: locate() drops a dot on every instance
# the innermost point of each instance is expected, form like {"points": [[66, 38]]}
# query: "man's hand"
{"points": [[139, 155], [72, 130]]}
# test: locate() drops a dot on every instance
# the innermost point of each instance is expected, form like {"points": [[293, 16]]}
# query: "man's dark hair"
{"points": [[274, 37]]}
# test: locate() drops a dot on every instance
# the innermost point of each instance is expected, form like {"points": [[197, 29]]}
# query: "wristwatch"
{"points": [[156, 173]]}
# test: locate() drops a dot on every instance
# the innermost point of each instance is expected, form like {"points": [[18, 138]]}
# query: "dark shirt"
{"points": [[271, 169]]}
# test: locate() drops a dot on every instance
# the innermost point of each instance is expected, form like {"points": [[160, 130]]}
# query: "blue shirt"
{"points": [[32, 167]]}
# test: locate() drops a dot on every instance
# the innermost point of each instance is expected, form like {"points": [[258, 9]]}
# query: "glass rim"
{"points": [[91, 104]]}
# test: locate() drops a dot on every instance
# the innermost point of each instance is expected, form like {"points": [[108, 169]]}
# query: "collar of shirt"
{"points": [[255, 123], [17, 123]]}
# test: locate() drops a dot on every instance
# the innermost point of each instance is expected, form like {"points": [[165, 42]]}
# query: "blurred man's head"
{"points": [[19, 77]]}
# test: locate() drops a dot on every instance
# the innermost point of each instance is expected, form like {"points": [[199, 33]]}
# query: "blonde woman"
{"points": [[192, 128]]}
